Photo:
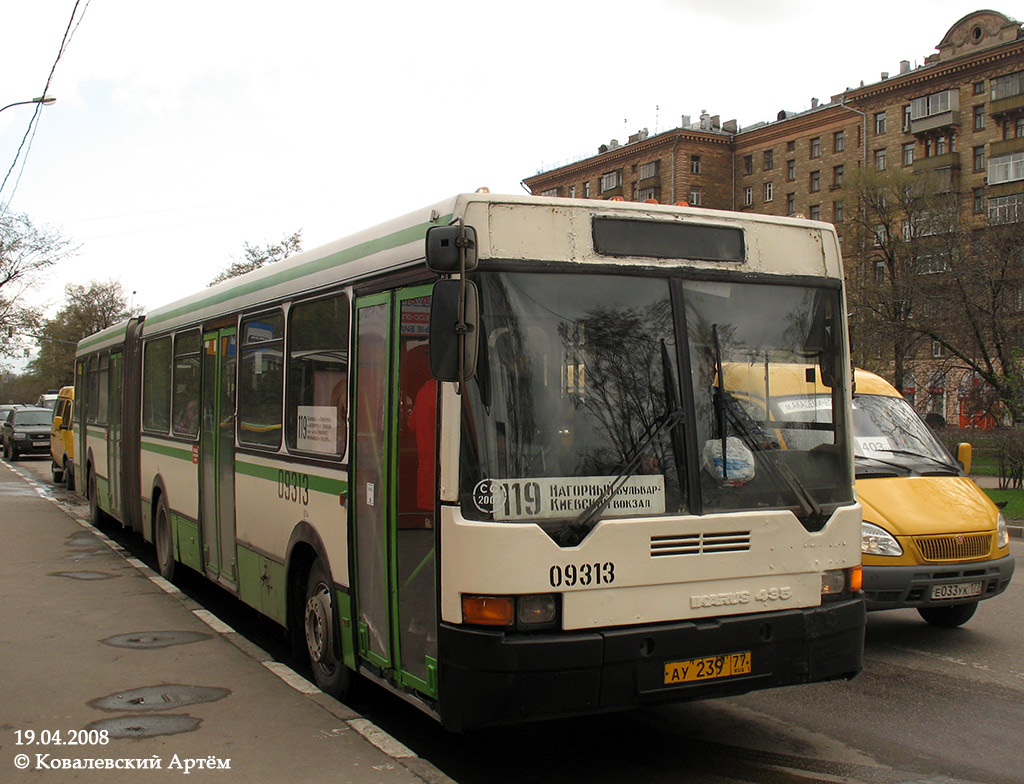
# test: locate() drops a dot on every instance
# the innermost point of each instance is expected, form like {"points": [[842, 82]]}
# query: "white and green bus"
{"points": [[484, 456]]}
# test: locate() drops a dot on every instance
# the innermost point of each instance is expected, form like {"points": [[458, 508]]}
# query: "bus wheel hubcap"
{"points": [[318, 627]]}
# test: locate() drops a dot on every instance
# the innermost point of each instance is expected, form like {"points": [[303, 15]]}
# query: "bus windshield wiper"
{"points": [[576, 531]]}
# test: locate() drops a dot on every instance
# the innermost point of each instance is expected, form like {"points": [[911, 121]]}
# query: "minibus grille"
{"points": [[700, 543], [957, 547]]}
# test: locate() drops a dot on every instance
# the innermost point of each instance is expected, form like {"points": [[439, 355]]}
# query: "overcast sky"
{"points": [[182, 130]]}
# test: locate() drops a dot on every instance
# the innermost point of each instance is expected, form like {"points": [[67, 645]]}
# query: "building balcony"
{"points": [[1010, 105], [936, 122], [944, 169], [997, 149], [649, 182]]}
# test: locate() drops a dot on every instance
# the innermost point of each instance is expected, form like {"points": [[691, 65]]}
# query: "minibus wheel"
{"points": [[949, 615]]}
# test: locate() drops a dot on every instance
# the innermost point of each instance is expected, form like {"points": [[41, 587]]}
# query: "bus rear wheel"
{"points": [[948, 616], [320, 623], [163, 538]]}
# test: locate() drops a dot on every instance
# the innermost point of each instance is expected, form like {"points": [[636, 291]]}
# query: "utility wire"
{"points": [[33, 123]]}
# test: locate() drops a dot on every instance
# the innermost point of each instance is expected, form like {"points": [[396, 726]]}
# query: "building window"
{"points": [[837, 176], [838, 212], [769, 191], [879, 123], [791, 170], [815, 212], [908, 154], [979, 88], [938, 350], [1006, 209], [1008, 86], [748, 164], [815, 182], [979, 158], [880, 159], [940, 145], [611, 180], [695, 164], [586, 190], [1006, 168], [906, 117], [572, 191], [647, 194], [748, 196], [695, 196], [928, 105], [790, 203], [839, 141], [648, 170], [816, 147], [979, 118], [769, 159], [550, 192], [979, 200]]}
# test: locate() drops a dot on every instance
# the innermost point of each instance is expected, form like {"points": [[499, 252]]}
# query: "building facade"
{"points": [[958, 117]]}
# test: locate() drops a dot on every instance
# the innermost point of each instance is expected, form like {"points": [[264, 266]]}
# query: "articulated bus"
{"points": [[485, 455]]}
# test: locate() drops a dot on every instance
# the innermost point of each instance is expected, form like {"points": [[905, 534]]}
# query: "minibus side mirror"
{"points": [[964, 452], [447, 337], [58, 423]]}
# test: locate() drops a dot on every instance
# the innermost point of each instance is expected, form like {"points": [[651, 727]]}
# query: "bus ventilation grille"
{"points": [[700, 544], [954, 548]]}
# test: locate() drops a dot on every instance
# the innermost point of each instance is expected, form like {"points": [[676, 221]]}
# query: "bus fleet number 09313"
{"points": [[585, 574]]}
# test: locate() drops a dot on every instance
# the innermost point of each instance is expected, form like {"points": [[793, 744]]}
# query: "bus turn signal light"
{"points": [[856, 578], [488, 610]]}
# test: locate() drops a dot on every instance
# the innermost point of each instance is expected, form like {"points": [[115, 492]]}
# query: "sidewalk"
{"points": [[94, 646]]}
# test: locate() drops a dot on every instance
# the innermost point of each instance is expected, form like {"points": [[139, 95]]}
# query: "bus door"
{"points": [[394, 498], [114, 436], [217, 455]]}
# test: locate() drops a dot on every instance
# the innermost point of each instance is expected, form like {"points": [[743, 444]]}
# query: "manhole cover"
{"points": [[147, 640], [146, 726], [83, 575], [152, 698]]}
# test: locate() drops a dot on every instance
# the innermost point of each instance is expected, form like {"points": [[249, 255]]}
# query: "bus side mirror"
{"points": [[444, 244], [964, 453], [446, 335]]}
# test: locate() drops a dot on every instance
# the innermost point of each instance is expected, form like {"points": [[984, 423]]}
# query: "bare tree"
{"points": [[256, 256], [26, 252]]}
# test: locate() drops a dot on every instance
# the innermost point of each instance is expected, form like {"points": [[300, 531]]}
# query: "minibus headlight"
{"points": [[1002, 532], [878, 541]]}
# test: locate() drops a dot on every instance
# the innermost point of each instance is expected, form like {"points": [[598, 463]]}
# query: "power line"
{"points": [[29, 136]]}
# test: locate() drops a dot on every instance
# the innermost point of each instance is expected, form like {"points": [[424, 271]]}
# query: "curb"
{"points": [[401, 754]]}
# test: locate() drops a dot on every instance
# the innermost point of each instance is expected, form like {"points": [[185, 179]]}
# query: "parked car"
{"points": [[6, 408], [27, 431], [62, 439]]}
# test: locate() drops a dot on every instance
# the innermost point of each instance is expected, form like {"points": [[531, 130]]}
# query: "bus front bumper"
{"points": [[492, 677], [893, 587]]}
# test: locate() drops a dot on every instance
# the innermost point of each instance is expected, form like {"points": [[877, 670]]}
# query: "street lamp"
{"points": [[45, 100]]}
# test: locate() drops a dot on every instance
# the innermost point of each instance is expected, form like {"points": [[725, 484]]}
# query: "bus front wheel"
{"points": [[320, 623], [164, 540]]}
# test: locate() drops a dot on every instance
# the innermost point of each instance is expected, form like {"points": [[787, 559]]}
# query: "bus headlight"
{"points": [[1002, 532], [536, 609], [877, 541]]}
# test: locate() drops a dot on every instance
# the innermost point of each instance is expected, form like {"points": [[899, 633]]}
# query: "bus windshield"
{"points": [[579, 393]]}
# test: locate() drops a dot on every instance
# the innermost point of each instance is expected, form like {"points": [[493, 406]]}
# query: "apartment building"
{"points": [[958, 116]]}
